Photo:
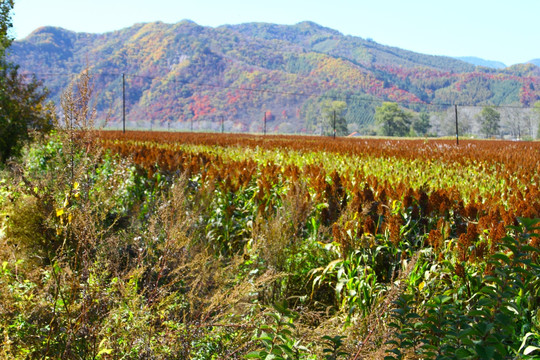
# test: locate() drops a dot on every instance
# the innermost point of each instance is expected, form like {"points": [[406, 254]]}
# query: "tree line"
{"points": [[390, 119]]}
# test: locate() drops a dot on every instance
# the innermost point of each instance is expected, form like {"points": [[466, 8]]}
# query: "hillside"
{"points": [[184, 74]]}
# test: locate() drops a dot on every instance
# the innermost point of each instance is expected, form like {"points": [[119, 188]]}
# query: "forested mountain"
{"points": [[185, 74]]}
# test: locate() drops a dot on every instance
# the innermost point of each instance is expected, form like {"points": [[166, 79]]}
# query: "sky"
{"points": [[500, 30]]}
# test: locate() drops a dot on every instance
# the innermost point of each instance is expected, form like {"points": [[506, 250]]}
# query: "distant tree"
{"points": [[393, 120], [517, 123], [360, 110], [334, 118], [5, 24], [22, 108], [421, 124], [536, 110], [490, 120]]}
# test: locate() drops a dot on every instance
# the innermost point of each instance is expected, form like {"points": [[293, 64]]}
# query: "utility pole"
{"points": [[123, 103], [457, 132], [264, 126], [222, 125], [334, 123]]}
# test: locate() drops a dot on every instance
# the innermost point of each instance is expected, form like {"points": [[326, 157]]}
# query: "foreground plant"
{"points": [[496, 317], [278, 340]]}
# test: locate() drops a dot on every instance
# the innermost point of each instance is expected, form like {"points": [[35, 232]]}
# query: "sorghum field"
{"points": [[222, 246]]}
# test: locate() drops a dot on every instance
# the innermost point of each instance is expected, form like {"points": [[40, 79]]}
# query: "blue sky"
{"points": [[501, 30]]}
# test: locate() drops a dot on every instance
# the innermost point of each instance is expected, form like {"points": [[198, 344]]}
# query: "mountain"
{"points": [[481, 62], [535, 62], [186, 75]]}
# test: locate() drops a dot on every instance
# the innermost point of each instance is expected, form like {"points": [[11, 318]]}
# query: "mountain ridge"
{"points": [[535, 62], [184, 71], [318, 42], [482, 62]]}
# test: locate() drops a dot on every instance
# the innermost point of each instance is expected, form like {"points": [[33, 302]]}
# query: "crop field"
{"points": [[487, 182], [400, 198], [221, 246]]}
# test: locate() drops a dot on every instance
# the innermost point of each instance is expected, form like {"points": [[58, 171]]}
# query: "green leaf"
{"points": [[528, 248], [392, 342], [105, 351], [282, 307], [528, 223], [502, 257], [462, 353], [529, 334], [254, 355], [395, 351], [485, 352], [276, 317], [529, 349], [264, 336]]}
